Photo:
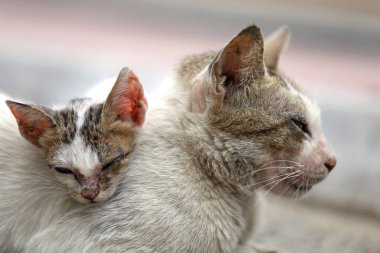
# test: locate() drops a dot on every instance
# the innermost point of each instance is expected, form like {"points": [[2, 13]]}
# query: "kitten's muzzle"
{"points": [[90, 194], [90, 187]]}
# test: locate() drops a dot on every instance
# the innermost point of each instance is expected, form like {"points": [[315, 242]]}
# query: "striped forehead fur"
{"points": [[80, 118], [83, 139], [76, 125]]}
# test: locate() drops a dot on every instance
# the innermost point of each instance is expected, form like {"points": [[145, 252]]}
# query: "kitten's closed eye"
{"points": [[63, 170], [301, 125], [114, 162]]}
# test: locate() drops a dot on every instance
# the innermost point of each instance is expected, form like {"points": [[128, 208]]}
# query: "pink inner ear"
{"points": [[131, 101], [31, 125], [33, 132]]}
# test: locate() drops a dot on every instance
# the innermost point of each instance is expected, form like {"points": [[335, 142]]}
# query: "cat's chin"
{"points": [[297, 190], [87, 201], [102, 196], [297, 187], [78, 198]]}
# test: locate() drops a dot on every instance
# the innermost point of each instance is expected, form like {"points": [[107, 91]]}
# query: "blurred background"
{"points": [[51, 51]]}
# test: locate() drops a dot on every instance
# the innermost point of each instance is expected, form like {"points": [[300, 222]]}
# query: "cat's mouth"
{"points": [[303, 185], [300, 187]]}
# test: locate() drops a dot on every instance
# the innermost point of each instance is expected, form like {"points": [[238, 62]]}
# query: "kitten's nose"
{"points": [[330, 163], [89, 194]]}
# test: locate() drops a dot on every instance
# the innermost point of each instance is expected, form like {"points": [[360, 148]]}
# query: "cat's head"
{"points": [[271, 128], [87, 144]]}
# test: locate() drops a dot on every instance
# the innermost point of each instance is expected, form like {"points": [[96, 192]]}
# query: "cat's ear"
{"points": [[274, 45], [33, 123], [126, 101], [242, 56], [239, 63]]}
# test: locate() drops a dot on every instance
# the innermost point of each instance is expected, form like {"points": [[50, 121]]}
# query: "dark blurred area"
{"points": [[51, 51]]}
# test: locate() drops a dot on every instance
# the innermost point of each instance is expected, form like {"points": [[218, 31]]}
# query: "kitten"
{"points": [[230, 125], [87, 144]]}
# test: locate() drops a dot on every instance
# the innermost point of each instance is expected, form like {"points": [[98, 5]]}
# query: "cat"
{"points": [[85, 148], [229, 125]]}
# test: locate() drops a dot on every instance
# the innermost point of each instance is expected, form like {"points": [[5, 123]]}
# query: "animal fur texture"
{"points": [[87, 143], [229, 125]]}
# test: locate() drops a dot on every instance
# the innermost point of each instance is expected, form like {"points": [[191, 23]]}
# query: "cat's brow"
{"points": [[66, 120], [90, 128]]}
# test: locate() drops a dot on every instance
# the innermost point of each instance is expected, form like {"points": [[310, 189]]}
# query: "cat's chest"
{"points": [[212, 219], [178, 214]]}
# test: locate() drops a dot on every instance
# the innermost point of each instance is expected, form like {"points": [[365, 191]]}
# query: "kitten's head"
{"points": [[87, 144], [270, 126]]}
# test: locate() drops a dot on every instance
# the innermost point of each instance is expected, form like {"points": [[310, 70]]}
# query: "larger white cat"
{"points": [[231, 124]]}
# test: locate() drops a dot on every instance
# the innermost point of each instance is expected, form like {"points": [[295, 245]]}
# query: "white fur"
{"points": [[165, 203], [81, 110], [78, 156], [311, 107]]}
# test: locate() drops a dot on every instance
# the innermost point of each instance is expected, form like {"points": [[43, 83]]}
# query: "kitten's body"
{"points": [[188, 187], [35, 186], [30, 196]]}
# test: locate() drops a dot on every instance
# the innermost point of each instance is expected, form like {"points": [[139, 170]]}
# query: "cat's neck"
{"points": [[215, 156], [212, 153]]}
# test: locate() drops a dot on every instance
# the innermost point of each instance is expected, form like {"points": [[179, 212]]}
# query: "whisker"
{"points": [[275, 184], [283, 177], [286, 176], [273, 177], [267, 168]]}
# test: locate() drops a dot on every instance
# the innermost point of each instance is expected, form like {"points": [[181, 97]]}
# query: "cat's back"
{"points": [[168, 203], [191, 66], [164, 204]]}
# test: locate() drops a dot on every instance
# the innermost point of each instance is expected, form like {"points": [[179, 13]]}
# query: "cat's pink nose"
{"points": [[330, 163], [90, 194]]}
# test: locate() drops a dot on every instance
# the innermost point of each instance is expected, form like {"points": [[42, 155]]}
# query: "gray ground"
{"points": [[299, 228]]}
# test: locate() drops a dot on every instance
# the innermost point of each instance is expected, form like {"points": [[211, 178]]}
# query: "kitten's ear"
{"points": [[239, 63], [274, 45], [126, 101], [33, 123]]}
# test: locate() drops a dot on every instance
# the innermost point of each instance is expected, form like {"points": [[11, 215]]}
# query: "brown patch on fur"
{"points": [[65, 120], [118, 135], [63, 132]]}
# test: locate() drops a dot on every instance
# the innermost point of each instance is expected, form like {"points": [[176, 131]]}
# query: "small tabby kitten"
{"points": [[87, 143]]}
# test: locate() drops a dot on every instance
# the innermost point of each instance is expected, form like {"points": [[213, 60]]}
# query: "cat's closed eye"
{"points": [[111, 164], [63, 170], [302, 126]]}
